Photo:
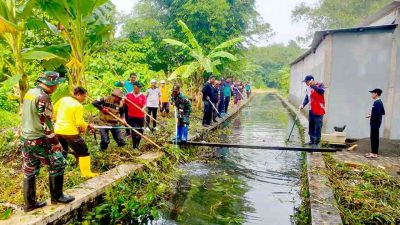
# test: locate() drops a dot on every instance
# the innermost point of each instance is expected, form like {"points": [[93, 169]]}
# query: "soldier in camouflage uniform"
{"points": [[39, 144], [184, 107]]}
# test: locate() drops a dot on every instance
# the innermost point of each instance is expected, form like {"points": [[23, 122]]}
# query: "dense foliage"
{"points": [[332, 14]]}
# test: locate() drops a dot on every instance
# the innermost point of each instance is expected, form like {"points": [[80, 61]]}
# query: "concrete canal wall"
{"points": [[324, 209]]}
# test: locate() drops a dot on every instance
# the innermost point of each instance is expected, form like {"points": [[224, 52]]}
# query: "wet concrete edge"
{"points": [[324, 208], [89, 193]]}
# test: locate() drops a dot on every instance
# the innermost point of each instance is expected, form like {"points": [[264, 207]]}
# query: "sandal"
{"points": [[371, 156]]}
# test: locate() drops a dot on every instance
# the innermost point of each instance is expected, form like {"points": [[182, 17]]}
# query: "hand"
{"points": [[105, 110], [368, 116], [208, 98], [56, 148], [122, 82], [301, 107], [91, 126]]}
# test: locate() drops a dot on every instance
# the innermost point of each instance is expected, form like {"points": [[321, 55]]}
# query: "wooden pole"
{"points": [[131, 128], [141, 109], [134, 130], [302, 149]]}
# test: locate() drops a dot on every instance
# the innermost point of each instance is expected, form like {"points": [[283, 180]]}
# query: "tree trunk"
{"points": [[19, 65]]}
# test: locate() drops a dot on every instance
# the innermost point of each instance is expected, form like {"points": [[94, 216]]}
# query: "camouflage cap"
{"points": [[50, 78]]}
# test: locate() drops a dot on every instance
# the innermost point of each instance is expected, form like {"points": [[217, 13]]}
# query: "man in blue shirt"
{"points": [[377, 112], [127, 85], [248, 89]]}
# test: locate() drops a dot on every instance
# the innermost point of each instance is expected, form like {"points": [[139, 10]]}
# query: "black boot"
{"points": [[30, 195], [56, 190]]}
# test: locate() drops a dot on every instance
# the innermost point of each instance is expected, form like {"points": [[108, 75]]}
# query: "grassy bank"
{"points": [[365, 195]]}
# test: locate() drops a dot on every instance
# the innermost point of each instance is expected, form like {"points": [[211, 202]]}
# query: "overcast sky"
{"points": [[275, 12]]}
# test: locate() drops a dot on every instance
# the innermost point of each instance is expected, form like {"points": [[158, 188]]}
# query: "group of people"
{"points": [[315, 97], [47, 131], [217, 95]]}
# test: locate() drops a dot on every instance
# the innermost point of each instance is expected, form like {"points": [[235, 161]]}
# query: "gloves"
{"points": [[105, 110], [56, 148]]}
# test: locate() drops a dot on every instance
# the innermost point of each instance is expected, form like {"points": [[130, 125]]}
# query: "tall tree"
{"points": [[16, 17], [85, 26], [211, 22], [331, 14], [201, 61]]}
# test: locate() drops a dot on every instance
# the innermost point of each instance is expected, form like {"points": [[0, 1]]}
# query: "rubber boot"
{"points": [[84, 165], [56, 190], [185, 133], [30, 195]]}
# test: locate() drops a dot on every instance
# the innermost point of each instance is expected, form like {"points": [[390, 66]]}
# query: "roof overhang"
{"points": [[319, 36]]}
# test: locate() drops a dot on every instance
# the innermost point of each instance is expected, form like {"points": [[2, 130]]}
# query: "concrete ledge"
{"points": [[84, 193], [324, 209]]}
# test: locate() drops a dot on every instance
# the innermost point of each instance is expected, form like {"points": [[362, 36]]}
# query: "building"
{"points": [[350, 62]]}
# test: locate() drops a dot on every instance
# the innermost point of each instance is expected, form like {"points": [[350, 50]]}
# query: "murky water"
{"points": [[246, 186]]}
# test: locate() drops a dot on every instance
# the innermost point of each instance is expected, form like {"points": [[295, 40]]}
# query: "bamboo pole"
{"points": [[131, 128], [141, 109]]}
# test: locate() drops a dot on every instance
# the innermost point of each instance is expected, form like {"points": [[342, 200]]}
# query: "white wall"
{"points": [[360, 62]]}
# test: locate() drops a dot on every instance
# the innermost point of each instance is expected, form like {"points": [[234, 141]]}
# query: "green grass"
{"points": [[9, 119], [365, 195]]}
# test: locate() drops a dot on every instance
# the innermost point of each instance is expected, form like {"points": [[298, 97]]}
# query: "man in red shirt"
{"points": [[315, 96], [134, 115]]}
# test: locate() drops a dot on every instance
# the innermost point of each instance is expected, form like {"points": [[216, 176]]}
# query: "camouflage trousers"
{"points": [[39, 152]]}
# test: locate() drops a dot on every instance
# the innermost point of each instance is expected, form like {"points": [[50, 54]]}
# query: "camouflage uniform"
{"points": [[184, 107], [39, 144]]}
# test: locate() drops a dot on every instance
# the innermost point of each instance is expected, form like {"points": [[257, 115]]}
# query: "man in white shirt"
{"points": [[153, 103]]}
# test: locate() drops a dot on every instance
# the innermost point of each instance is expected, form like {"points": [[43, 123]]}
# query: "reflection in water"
{"points": [[246, 186]]}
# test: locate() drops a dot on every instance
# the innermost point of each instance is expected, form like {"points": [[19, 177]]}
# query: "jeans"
{"points": [[152, 111], [226, 103], [207, 113], [374, 140], [105, 139], [315, 127]]}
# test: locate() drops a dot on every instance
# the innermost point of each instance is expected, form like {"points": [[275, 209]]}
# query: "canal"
{"points": [[243, 186]]}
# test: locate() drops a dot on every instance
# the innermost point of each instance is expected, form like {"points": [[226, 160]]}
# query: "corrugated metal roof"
{"points": [[320, 35], [381, 13]]}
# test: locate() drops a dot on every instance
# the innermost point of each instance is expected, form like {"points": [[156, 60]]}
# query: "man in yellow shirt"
{"points": [[68, 114], [164, 109]]}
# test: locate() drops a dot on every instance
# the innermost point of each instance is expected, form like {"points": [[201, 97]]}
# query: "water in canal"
{"points": [[245, 186]]}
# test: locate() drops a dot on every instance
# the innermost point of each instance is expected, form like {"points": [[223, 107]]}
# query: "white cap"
{"points": [[163, 82], [152, 81]]}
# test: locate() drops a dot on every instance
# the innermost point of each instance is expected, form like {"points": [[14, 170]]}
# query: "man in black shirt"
{"points": [[375, 121], [207, 97]]}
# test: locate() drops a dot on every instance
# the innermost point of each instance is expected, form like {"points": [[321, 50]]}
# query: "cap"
{"points": [[118, 93], [137, 83], [376, 90], [163, 82], [308, 78], [152, 81], [50, 78], [176, 87]]}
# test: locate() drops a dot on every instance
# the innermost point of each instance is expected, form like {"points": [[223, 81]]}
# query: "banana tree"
{"points": [[201, 62], [15, 18], [84, 25]]}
